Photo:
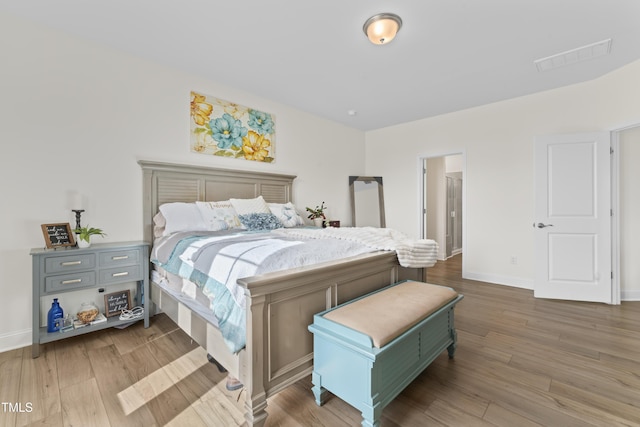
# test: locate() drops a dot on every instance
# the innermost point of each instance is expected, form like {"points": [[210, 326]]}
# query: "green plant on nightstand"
{"points": [[317, 215], [84, 235], [318, 212]]}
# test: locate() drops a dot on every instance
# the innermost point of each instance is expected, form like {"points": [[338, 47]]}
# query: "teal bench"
{"points": [[366, 351]]}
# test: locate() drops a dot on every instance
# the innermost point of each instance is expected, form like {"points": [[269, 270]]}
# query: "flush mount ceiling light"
{"points": [[382, 28]]}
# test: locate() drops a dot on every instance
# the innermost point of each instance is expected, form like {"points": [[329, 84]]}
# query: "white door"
{"points": [[573, 217]]}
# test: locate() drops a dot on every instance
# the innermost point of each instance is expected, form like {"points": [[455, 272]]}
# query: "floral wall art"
{"points": [[222, 128]]}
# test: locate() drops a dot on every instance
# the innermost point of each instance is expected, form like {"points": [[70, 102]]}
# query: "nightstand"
{"points": [[62, 270]]}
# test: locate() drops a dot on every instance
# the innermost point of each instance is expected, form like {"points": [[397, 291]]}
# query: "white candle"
{"points": [[76, 201]]}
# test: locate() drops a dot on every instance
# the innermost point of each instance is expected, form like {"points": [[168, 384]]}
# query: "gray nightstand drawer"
{"points": [[71, 262], [120, 274], [123, 257], [66, 282]]}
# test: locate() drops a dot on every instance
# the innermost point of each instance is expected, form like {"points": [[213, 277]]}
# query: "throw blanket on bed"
{"points": [[214, 262], [411, 253]]}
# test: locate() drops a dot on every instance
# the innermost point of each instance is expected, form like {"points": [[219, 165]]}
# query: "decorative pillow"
{"points": [[256, 221], [159, 224], [247, 206], [287, 214], [219, 215], [181, 216]]}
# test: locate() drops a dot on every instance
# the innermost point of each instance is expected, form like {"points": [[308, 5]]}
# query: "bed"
{"points": [[279, 306]]}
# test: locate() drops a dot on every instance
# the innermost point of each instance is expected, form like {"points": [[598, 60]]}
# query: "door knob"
{"points": [[541, 225]]}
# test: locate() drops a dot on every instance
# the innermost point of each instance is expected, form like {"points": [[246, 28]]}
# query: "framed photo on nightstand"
{"points": [[58, 235]]}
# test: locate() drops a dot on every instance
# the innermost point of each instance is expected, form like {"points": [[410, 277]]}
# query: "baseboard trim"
{"points": [[516, 282], [633, 295], [14, 340]]}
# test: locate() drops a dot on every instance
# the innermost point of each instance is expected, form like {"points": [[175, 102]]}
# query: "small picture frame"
{"points": [[58, 235], [115, 302]]}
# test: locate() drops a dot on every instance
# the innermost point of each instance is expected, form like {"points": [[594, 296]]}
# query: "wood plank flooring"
{"points": [[520, 361]]}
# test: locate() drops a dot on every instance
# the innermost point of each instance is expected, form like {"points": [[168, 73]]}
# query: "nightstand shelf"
{"points": [[111, 322], [63, 270]]}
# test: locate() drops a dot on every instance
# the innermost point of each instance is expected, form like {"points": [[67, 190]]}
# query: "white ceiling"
{"points": [[313, 55]]}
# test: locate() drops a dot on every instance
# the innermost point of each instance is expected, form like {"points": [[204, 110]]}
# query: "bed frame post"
{"points": [[256, 398]]}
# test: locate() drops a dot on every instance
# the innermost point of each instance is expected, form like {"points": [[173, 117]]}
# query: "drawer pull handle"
{"points": [[70, 263], [68, 282], [124, 273], [117, 258]]}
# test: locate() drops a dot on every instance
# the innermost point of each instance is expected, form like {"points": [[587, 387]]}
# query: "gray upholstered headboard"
{"points": [[168, 182]]}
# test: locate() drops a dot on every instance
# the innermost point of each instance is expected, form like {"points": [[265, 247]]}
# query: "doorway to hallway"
{"points": [[443, 203]]}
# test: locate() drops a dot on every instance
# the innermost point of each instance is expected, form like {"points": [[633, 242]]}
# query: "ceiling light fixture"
{"points": [[382, 28]]}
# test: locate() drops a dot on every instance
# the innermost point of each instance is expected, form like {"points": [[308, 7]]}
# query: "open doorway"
{"points": [[626, 202], [443, 203]]}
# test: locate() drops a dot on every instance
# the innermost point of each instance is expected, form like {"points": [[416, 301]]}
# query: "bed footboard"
{"points": [[282, 308]]}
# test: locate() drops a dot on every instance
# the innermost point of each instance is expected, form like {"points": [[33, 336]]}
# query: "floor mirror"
{"points": [[367, 201]]}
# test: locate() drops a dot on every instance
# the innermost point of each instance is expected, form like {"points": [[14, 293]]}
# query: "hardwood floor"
{"points": [[520, 362]]}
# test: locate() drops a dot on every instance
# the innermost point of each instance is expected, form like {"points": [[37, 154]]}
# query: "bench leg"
{"points": [[371, 415], [452, 348], [369, 423], [319, 392]]}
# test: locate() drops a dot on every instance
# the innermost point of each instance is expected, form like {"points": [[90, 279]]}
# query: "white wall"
{"points": [[77, 116], [497, 140]]}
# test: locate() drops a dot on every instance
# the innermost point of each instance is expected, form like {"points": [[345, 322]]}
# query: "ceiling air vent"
{"points": [[575, 55]]}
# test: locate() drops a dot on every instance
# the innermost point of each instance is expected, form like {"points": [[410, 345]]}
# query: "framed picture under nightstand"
{"points": [[115, 302]]}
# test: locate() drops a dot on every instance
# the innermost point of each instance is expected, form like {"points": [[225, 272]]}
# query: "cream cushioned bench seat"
{"points": [[400, 307], [366, 351]]}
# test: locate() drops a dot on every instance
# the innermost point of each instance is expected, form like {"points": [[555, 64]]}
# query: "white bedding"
{"points": [[411, 253]]}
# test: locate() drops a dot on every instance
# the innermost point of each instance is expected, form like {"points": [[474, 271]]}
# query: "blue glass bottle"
{"points": [[55, 317]]}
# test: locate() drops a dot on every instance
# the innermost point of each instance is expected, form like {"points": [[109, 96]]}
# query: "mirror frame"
{"points": [[366, 179]]}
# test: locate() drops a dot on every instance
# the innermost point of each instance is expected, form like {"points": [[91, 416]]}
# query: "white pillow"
{"points": [[248, 206], [181, 216], [287, 214], [219, 215]]}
